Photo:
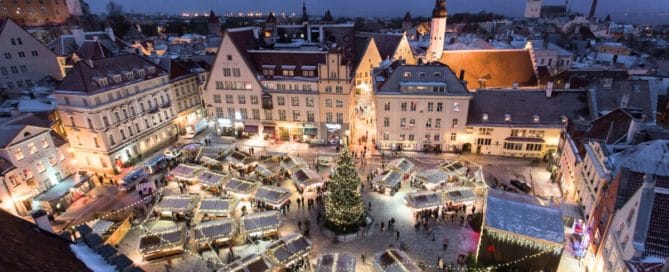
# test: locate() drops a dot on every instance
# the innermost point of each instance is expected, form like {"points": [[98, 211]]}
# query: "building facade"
{"points": [[115, 110], [533, 9], [40, 12], [25, 60]]}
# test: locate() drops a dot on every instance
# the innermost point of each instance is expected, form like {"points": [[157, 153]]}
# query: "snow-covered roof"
{"points": [[524, 215], [91, 259]]}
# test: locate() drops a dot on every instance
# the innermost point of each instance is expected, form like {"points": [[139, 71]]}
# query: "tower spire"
{"points": [[439, 10], [305, 17]]}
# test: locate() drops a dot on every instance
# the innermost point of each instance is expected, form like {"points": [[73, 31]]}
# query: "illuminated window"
{"points": [[40, 167], [32, 148], [18, 154]]}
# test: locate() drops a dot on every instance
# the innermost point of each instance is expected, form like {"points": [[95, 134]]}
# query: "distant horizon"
{"points": [[637, 12]]}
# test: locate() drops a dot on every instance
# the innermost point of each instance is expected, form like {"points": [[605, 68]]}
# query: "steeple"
{"points": [[439, 10], [305, 17], [328, 17], [407, 17]]}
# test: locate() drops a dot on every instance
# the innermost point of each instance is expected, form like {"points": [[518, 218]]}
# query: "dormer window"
{"points": [[129, 75], [507, 117], [141, 72], [117, 78], [535, 118], [484, 117], [288, 70], [422, 75], [101, 81], [437, 74], [407, 75], [151, 69]]}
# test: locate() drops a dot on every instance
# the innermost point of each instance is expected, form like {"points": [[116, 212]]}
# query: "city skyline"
{"points": [[642, 11]]}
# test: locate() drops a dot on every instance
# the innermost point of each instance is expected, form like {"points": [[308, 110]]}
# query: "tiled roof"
{"points": [[26, 248], [499, 68], [82, 78], [631, 94], [522, 106], [420, 74]]}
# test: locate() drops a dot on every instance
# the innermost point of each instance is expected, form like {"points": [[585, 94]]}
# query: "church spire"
{"points": [[305, 17], [439, 10]]}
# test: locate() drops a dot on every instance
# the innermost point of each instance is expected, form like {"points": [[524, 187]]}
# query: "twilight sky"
{"points": [[623, 10]]}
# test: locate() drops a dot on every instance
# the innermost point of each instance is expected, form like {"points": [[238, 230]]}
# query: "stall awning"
{"points": [[268, 129], [310, 131], [251, 129]]}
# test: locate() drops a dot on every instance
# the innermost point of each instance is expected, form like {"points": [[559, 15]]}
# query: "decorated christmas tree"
{"points": [[344, 208]]}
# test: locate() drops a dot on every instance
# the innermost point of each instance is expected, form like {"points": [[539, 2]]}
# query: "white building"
{"points": [[437, 31], [533, 9]]}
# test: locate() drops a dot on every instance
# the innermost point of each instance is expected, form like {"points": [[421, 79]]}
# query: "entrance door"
{"points": [[478, 149]]}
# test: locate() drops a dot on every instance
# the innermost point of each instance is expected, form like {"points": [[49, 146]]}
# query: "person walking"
{"points": [[362, 256], [397, 236], [299, 224]]}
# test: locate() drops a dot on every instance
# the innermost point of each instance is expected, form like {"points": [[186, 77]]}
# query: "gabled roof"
{"points": [[498, 68], [82, 77], [27, 248], [386, 43], [522, 106], [631, 94], [612, 127], [93, 50], [176, 69]]}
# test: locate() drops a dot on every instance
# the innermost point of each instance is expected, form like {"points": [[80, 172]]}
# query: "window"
{"points": [[40, 167], [328, 103], [18, 154], [401, 137], [411, 137], [430, 106], [27, 174], [386, 136], [296, 115], [235, 72], [339, 89], [22, 54], [227, 72], [329, 118], [412, 122], [228, 57], [403, 106], [456, 107], [122, 135], [340, 104], [513, 146], [219, 112], [219, 85], [8, 55], [254, 100], [24, 69], [111, 140], [386, 122], [268, 114], [386, 106], [242, 99], [328, 89], [413, 105], [288, 72], [533, 147], [15, 70], [280, 100], [4, 71], [403, 122], [45, 143], [483, 141], [485, 131], [282, 115], [455, 123], [340, 118], [243, 113], [310, 116], [428, 123], [453, 136], [518, 133], [437, 123], [310, 101], [52, 161], [72, 122], [229, 99], [256, 114]]}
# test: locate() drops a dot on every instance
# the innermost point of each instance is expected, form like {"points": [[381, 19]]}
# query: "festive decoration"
{"points": [[344, 208]]}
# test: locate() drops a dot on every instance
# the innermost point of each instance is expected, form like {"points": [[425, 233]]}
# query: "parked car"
{"points": [[133, 178], [523, 186], [173, 153]]}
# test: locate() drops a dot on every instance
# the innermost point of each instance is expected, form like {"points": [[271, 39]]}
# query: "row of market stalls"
{"points": [[453, 197], [163, 238]]}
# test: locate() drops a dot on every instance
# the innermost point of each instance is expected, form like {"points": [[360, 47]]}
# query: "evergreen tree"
{"points": [[344, 208]]}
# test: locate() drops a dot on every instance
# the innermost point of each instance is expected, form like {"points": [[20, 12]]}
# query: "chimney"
{"points": [[635, 127], [90, 63], [462, 75], [549, 89], [42, 220], [78, 35]]}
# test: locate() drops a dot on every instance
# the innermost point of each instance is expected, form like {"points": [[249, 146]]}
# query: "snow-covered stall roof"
{"points": [[210, 179], [91, 259], [217, 206], [290, 163], [524, 215], [335, 262], [432, 177], [305, 177], [250, 263], [403, 165], [288, 249], [458, 195], [453, 167], [265, 171], [260, 222], [162, 235], [240, 187], [176, 203], [394, 260], [272, 195], [389, 178], [185, 171], [220, 229], [423, 200], [239, 157]]}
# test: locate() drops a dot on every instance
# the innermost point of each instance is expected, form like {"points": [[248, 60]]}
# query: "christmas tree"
{"points": [[344, 208]]}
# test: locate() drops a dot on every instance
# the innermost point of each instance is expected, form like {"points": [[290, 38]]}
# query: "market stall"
{"points": [[212, 154], [430, 179], [58, 198], [423, 200], [402, 165], [162, 239], [250, 263], [289, 252], [335, 262], [176, 206], [454, 168], [394, 260], [272, 196], [267, 172], [186, 173], [388, 182], [219, 232], [306, 179], [459, 196], [240, 159], [240, 188], [113, 228], [210, 180], [262, 224], [292, 163], [211, 207]]}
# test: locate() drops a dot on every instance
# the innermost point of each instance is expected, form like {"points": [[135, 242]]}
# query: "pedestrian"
{"points": [[362, 256], [397, 237], [383, 226], [299, 224], [445, 243], [298, 202], [370, 205]]}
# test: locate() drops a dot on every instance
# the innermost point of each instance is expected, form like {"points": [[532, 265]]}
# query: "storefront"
{"points": [[334, 132], [58, 198], [225, 127], [250, 131], [269, 131]]}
